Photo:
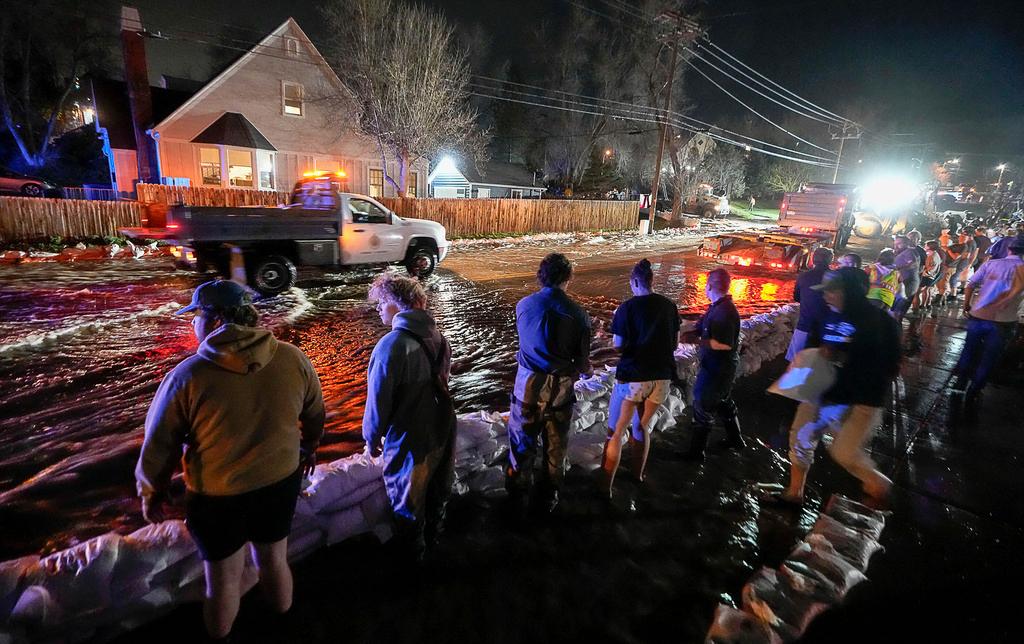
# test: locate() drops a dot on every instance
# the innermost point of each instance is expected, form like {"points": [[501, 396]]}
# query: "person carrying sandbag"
{"points": [[409, 416], [248, 411]]}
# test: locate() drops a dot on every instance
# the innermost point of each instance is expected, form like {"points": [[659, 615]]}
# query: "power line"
{"points": [[639, 109]]}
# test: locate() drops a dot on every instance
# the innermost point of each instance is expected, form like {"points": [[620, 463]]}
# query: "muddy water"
{"points": [[83, 347]]}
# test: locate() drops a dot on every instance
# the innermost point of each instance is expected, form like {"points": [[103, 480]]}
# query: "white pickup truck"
{"points": [[321, 227]]}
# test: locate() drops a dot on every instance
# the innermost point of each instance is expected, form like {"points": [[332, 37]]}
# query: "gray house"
{"points": [[496, 180]]}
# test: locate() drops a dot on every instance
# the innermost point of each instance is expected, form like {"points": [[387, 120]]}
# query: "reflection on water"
{"points": [[83, 347]]}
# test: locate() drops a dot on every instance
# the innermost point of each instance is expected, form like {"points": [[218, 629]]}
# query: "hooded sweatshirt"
{"points": [[240, 407], [401, 407]]}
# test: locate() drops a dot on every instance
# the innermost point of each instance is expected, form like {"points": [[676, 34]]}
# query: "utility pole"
{"points": [[842, 139], [677, 33]]}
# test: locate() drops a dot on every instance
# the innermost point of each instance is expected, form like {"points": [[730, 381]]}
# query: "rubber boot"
{"points": [[698, 443], [733, 438]]}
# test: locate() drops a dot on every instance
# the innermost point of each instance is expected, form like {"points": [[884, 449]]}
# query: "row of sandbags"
{"points": [[779, 604], [81, 252], [113, 582]]}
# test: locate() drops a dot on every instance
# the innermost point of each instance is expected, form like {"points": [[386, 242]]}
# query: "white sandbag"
{"points": [[855, 546], [733, 626], [352, 497], [36, 607], [817, 555], [12, 582], [586, 450], [145, 553], [803, 582], [303, 542], [345, 524], [78, 579], [336, 480], [856, 515], [770, 598], [807, 378], [376, 508], [180, 574], [490, 482]]}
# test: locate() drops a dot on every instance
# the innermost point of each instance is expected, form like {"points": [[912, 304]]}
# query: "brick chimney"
{"points": [[136, 77]]}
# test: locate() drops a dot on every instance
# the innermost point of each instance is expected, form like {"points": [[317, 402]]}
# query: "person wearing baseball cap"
{"points": [[865, 342], [992, 300], [244, 416]]}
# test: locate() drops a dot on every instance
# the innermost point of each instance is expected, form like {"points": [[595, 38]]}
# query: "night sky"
{"points": [[950, 73]]}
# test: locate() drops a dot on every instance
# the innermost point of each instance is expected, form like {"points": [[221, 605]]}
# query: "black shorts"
{"points": [[927, 281], [220, 525]]}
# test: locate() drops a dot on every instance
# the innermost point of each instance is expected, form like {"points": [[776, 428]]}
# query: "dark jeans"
{"points": [[986, 342], [414, 537], [712, 395]]}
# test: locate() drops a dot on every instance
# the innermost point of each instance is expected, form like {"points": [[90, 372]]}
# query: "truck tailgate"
{"points": [[148, 233], [814, 210]]}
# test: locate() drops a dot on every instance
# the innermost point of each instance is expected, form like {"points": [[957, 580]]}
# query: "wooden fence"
{"points": [[477, 217], [207, 196], [24, 218]]}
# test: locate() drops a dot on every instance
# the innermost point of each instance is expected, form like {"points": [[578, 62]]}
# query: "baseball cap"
{"points": [[842, 278], [218, 294]]}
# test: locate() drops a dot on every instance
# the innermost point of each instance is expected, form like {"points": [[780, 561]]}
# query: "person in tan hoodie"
{"points": [[248, 412]]}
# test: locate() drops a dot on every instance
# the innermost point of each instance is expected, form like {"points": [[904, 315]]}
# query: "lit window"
{"points": [[291, 46], [240, 168], [209, 166], [376, 183], [265, 163], [291, 98], [517, 194], [412, 184]]}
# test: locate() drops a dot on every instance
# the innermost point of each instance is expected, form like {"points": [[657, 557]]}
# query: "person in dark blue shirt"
{"points": [[645, 329], [719, 331], [812, 304], [554, 349]]}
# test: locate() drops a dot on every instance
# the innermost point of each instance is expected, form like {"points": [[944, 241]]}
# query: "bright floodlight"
{"points": [[1001, 166], [885, 193]]}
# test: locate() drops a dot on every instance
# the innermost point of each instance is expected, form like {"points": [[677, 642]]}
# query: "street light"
{"points": [[999, 184]]}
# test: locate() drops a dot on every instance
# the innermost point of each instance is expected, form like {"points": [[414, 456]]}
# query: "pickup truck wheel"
{"points": [[273, 274], [421, 262]]}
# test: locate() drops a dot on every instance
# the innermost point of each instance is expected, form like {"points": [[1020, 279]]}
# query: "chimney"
{"points": [[136, 77]]}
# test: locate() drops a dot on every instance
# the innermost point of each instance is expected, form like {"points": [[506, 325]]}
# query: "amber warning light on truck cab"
{"points": [[324, 173]]}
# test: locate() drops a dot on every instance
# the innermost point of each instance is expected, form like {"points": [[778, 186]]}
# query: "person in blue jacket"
{"points": [[409, 417]]}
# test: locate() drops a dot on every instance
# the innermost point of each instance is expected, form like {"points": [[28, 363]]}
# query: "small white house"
{"points": [[496, 181]]}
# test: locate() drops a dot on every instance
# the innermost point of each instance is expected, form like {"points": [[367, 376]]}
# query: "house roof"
{"points": [[267, 43], [113, 112], [497, 173], [234, 129]]}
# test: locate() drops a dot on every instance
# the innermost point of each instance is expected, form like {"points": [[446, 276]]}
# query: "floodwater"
{"points": [[84, 346]]}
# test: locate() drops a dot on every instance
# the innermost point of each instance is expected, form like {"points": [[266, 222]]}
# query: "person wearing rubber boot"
{"points": [[719, 332], [645, 329], [409, 417], [554, 349], [865, 342]]}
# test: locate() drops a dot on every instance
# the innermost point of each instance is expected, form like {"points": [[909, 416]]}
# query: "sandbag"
{"points": [[490, 482], [853, 545], [12, 582], [769, 596], [345, 524], [78, 579], [350, 498], [816, 557], [733, 626], [145, 553], [586, 449], [303, 542], [336, 480], [856, 515]]}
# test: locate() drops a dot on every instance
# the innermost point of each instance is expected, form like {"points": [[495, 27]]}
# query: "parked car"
{"points": [[26, 186]]}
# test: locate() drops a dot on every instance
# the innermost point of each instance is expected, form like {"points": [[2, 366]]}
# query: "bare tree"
{"points": [[408, 78], [43, 52]]}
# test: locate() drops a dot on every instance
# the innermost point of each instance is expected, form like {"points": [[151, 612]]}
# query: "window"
{"points": [[376, 183], [517, 194], [412, 184], [317, 194], [240, 168], [483, 193], [265, 164], [364, 212], [291, 99], [291, 46], [209, 166]]}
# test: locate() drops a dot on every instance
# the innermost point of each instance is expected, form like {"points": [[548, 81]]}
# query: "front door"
{"points": [[369, 235]]}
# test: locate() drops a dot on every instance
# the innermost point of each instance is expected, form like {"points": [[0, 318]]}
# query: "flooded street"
{"points": [[83, 347]]}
